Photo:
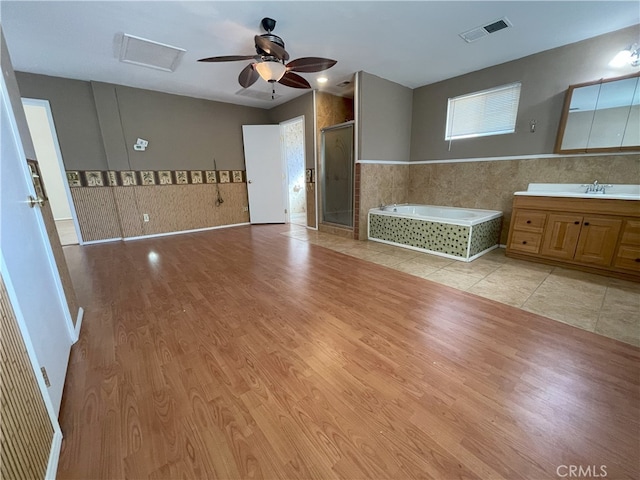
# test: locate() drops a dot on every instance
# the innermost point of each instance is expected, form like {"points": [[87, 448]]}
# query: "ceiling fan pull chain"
{"points": [[273, 91]]}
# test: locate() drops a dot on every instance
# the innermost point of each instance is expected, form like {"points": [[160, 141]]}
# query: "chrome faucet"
{"points": [[595, 187]]}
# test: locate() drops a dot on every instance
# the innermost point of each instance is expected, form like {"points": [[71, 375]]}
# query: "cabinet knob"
{"points": [[586, 224], [576, 223], [524, 242], [637, 260], [528, 221]]}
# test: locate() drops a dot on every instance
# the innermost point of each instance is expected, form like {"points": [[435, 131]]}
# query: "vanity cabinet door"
{"points": [[628, 257], [597, 242], [561, 236]]}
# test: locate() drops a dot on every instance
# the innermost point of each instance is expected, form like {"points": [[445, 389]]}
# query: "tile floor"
{"points": [[599, 304]]}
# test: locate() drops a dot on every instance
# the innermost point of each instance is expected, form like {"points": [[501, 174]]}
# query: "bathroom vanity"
{"points": [[594, 228]]}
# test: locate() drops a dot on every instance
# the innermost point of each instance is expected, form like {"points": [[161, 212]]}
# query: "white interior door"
{"points": [[266, 181], [36, 289]]}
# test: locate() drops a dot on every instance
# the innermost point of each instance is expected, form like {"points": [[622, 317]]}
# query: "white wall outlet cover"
{"points": [[139, 148], [142, 141]]}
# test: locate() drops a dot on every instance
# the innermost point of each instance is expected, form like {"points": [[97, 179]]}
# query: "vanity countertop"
{"points": [[577, 190]]}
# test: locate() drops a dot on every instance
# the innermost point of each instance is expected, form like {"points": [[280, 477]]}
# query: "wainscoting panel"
{"points": [[97, 214], [25, 428]]}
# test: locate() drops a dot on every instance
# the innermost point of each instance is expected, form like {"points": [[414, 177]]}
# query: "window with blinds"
{"points": [[479, 114]]}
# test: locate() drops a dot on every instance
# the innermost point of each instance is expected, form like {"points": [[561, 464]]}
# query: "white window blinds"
{"points": [[489, 112]]}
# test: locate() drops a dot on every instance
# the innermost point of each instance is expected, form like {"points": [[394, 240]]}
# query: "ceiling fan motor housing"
{"points": [[268, 24], [272, 38]]}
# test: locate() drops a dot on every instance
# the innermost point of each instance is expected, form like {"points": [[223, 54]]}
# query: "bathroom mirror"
{"points": [[601, 116]]}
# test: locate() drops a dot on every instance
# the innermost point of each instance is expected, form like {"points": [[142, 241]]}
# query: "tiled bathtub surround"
{"points": [[462, 242], [606, 306], [484, 184]]}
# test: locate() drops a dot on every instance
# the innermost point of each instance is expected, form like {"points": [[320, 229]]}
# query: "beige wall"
{"points": [[98, 124], [384, 119], [545, 78], [74, 113]]}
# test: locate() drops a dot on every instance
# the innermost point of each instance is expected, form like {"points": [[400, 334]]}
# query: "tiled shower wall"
{"points": [[487, 185]]}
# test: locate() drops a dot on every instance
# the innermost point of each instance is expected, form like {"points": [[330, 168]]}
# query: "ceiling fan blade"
{"points": [[248, 76], [230, 58], [310, 64], [291, 79], [271, 48]]}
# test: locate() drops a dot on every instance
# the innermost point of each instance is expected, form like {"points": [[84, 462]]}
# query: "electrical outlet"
{"points": [[245, 209], [145, 217]]}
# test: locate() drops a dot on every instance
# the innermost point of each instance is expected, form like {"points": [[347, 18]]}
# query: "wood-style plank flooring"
{"points": [[244, 353]]}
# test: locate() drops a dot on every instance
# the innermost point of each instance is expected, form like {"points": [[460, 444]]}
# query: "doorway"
{"points": [[293, 146], [45, 142]]}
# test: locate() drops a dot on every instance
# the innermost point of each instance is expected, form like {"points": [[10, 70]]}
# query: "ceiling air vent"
{"points": [[147, 53], [257, 94], [479, 32]]}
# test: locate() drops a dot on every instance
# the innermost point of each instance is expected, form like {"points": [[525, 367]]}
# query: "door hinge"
{"points": [[46, 377], [285, 210]]}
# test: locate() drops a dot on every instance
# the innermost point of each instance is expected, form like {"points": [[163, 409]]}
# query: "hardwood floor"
{"points": [[243, 353]]}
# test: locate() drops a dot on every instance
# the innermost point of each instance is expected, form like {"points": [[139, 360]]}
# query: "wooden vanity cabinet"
{"points": [[597, 235]]}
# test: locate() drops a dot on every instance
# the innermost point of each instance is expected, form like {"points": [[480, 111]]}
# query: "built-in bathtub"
{"points": [[458, 233]]}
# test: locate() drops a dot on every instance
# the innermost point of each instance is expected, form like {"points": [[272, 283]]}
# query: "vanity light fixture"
{"points": [[628, 56]]}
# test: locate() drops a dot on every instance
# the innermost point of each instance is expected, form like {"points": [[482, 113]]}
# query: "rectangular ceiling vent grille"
{"points": [[147, 53], [479, 32], [257, 94]]}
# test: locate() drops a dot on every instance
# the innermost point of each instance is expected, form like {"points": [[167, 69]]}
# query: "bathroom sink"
{"points": [[577, 190]]}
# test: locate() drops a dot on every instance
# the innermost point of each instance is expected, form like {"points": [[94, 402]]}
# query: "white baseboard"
{"points": [[78, 324], [54, 455], [93, 242], [180, 232]]}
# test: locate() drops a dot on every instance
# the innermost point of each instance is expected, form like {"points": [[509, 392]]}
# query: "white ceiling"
{"points": [[412, 43]]}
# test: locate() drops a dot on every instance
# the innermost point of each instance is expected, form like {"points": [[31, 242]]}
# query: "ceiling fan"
{"points": [[269, 62]]}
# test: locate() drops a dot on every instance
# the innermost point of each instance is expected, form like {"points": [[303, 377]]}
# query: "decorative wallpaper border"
{"points": [[127, 178]]}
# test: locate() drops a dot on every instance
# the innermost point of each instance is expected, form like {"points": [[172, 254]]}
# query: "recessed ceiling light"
{"points": [[322, 79]]}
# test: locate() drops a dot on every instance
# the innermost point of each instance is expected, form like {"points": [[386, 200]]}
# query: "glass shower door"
{"points": [[337, 175]]}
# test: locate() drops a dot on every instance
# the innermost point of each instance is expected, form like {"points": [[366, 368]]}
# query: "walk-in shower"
{"points": [[337, 174]]}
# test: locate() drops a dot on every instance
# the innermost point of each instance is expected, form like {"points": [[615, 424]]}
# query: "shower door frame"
{"points": [[321, 177]]}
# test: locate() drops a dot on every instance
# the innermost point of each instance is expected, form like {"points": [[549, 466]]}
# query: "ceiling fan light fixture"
{"points": [[322, 79], [271, 70]]}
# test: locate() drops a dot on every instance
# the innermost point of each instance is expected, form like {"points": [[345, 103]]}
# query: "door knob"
{"points": [[248, 181], [36, 201]]}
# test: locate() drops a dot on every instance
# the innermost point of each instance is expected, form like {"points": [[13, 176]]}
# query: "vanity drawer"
{"points": [[529, 221], [525, 241], [628, 258]]}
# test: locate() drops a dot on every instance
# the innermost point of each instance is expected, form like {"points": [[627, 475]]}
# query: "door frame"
{"points": [[36, 102], [285, 162]]}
